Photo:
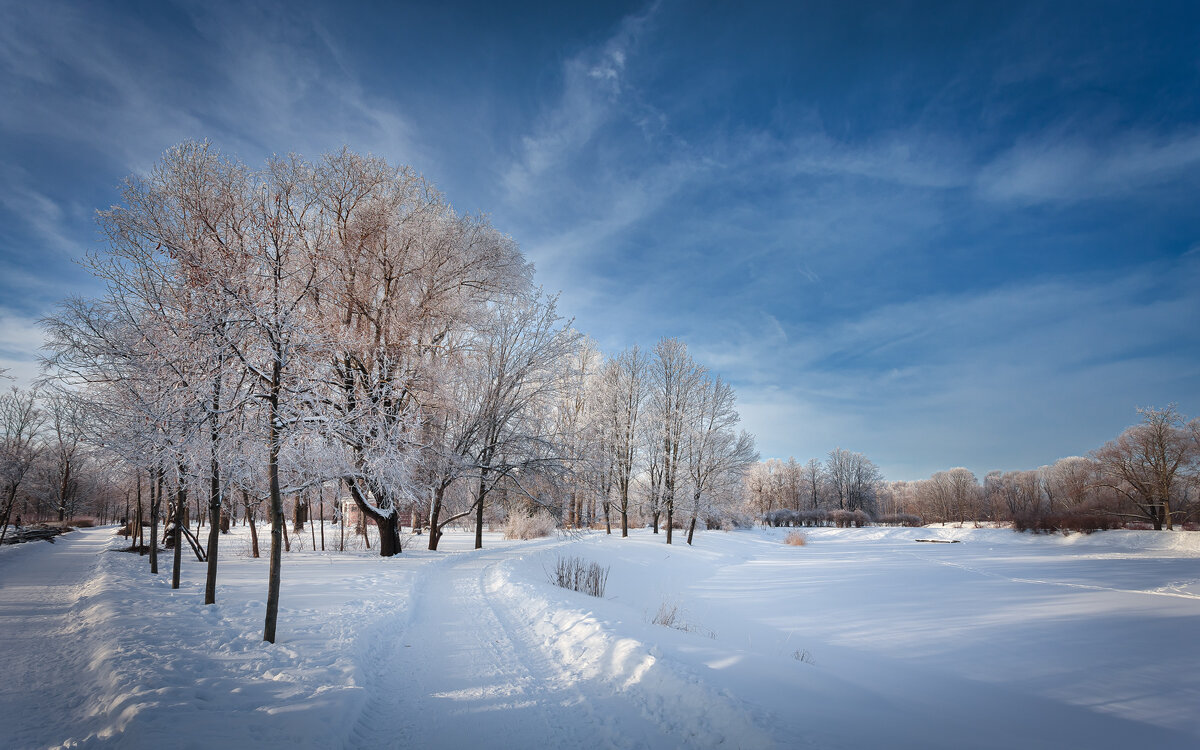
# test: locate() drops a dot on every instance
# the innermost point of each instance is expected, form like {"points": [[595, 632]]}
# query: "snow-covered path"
{"points": [[486, 681], [42, 588]]}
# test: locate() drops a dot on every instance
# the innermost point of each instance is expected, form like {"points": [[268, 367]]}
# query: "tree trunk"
{"points": [[177, 531], [321, 510], [625, 513], [274, 438], [479, 508], [670, 518], [299, 514], [214, 498], [389, 535], [250, 520], [155, 506], [691, 529], [140, 535], [63, 488], [435, 514]]}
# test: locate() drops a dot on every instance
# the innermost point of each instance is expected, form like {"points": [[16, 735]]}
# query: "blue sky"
{"points": [[941, 234]]}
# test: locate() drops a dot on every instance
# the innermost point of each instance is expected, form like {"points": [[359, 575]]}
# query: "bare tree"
{"points": [[853, 479], [21, 421], [674, 378], [714, 454], [1147, 461]]}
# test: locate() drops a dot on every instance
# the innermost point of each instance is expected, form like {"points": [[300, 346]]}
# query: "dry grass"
{"points": [[670, 615], [795, 539], [577, 575], [523, 526]]}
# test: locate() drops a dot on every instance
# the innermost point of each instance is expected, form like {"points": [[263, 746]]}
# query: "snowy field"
{"points": [[862, 638]]}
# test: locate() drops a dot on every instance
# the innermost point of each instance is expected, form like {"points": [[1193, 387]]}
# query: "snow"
{"points": [[861, 638]]}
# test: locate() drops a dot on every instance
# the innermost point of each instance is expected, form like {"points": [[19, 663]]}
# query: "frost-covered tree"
{"points": [[715, 455], [852, 479], [674, 377], [624, 391], [21, 421]]}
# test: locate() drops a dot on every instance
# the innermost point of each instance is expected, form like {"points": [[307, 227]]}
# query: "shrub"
{"points": [[861, 518], [668, 615], [795, 539], [781, 517], [900, 519], [524, 526], [814, 518], [1064, 522], [843, 519], [737, 521], [82, 523], [577, 575]]}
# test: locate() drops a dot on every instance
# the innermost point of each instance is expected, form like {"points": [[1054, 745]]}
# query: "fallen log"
{"points": [[939, 541]]}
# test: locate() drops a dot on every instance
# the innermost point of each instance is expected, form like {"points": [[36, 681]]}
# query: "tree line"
{"points": [[269, 334], [1149, 475]]}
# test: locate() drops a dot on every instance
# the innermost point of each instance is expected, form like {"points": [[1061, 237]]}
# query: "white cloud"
{"points": [[1014, 377], [20, 344], [1063, 167]]}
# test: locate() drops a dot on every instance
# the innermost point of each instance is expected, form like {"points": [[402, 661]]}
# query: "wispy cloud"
{"points": [[592, 88], [1010, 378], [20, 345], [1066, 167]]}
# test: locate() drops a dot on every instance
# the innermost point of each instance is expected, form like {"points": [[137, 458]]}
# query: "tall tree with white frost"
{"points": [[674, 377], [714, 453]]}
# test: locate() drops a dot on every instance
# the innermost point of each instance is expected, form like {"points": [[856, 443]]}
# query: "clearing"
{"points": [[861, 638]]}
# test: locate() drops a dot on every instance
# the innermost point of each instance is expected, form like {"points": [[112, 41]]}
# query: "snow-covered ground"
{"points": [[862, 638]]}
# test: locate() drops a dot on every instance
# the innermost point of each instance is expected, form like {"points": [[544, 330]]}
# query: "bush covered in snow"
{"points": [[525, 526], [795, 539]]}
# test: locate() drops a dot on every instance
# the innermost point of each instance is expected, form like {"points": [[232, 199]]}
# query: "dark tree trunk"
{"points": [[139, 539], [479, 509], [250, 521], [389, 535], [177, 530], [274, 441], [435, 514], [691, 529], [670, 518], [156, 478], [214, 498]]}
